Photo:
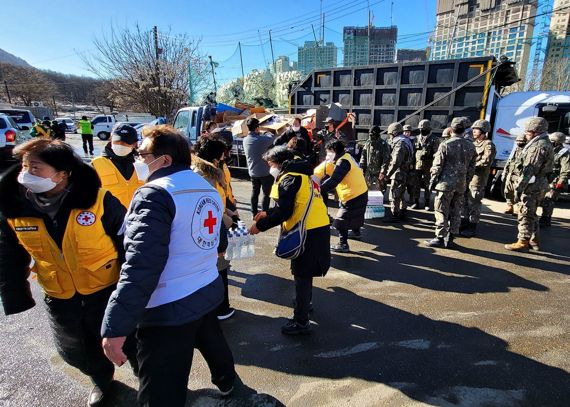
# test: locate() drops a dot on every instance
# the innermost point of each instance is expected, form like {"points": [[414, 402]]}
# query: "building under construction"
{"points": [[369, 45]]}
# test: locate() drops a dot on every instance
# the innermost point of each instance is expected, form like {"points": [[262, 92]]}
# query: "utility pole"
{"points": [[157, 61], [323, 31], [271, 45], [241, 61], [190, 84], [7, 92], [322, 23], [213, 74]]}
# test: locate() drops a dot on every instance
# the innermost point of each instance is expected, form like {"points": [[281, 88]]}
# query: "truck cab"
{"points": [[188, 121], [102, 126]]}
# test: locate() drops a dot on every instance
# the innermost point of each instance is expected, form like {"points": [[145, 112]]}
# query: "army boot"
{"points": [[521, 245], [544, 221], [435, 242], [470, 230], [464, 224], [510, 209], [534, 244]]}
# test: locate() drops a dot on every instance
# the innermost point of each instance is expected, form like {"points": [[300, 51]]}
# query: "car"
{"points": [[23, 118], [10, 135], [69, 124]]}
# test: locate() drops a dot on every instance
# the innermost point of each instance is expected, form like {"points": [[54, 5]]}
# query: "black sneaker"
{"points": [[226, 314], [340, 248], [354, 235], [292, 327], [226, 387]]}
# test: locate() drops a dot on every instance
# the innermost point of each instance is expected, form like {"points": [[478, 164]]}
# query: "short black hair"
{"points": [[83, 117], [297, 119], [279, 155], [55, 153], [252, 123], [210, 149], [335, 145], [166, 140]]}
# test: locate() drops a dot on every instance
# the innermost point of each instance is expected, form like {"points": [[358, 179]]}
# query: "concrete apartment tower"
{"points": [[369, 45]]}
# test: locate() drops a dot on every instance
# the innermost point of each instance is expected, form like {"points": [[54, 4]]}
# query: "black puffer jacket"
{"points": [[15, 261]]}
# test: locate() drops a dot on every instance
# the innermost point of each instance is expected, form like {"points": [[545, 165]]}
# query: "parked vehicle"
{"points": [[103, 125], [69, 124], [10, 135], [23, 118]]}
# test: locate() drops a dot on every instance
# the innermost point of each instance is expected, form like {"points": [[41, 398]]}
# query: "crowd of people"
{"points": [[129, 251]]}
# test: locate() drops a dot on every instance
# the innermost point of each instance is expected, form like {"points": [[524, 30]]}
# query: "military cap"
{"points": [[395, 129], [483, 125], [458, 124], [424, 125], [521, 137], [466, 121], [407, 127], [536, 124], [557, 137]]}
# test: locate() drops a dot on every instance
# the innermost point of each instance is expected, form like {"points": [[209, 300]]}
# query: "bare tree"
{"points": [[146, 78], [556, 74], [27, 84]]}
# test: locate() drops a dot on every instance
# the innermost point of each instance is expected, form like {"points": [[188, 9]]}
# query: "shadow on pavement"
{"points": [[432, 361]]}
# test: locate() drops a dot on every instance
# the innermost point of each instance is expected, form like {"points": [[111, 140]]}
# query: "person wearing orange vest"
{"points": [[115, 166], [54, 211], [291, 193], [341, 172]]}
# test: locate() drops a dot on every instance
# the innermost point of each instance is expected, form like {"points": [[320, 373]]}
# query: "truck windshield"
{"points": [[558, 120]]}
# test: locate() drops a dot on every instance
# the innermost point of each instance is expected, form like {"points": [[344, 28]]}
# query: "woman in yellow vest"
{"points": [[116, 165], [341, 172], [290, 193], [54, 211], [209, 153]]}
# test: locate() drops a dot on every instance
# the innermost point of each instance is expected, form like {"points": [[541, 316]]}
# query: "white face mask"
{"points": [[274, 171], [120, 150], [35, 184], [143, 169], [330, 157], [296, 128]]}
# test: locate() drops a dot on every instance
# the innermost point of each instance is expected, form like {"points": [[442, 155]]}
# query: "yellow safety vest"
{"points": [[85, 127], [113, 181], [352, 185], [41, 131], [88, 260], [228, 179], [318, 215]]}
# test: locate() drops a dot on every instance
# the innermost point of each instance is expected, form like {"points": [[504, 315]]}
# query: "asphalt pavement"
{"points": [[395, 323]]}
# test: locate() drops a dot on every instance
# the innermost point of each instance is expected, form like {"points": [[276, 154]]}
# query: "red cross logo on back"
{"points": [[210, 222]]}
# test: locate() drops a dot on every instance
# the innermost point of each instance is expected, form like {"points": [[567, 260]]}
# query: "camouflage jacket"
{"points": [[322, 138], [401, 160], [426, 147], [511, 164], [453, 165], [535, 164], [561, 171], [486, 151], [375, 156]]}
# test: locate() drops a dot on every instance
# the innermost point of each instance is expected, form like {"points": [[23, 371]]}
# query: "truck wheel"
{"points": [[103, 135]]}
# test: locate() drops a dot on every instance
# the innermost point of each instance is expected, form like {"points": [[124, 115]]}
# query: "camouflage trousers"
{"points": [[372, 181], [423, 179], [447, 210], [549, 202], [413, 185], [397, 191], [527, 217], [509, 192], [472, 204]]}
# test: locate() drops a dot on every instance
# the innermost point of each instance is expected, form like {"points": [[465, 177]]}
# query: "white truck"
{"points": [[103, 124]]}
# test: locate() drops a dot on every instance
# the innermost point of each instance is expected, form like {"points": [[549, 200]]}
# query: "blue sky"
{"points": [[50, 37]]}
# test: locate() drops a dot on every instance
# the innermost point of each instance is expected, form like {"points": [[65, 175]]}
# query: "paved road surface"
{"points": [[395, 324]]}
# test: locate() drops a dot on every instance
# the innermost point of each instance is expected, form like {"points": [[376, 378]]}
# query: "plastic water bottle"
{"points": [[230, 249], [251, 246]]}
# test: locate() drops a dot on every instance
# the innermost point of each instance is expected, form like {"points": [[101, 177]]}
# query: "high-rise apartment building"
{"points": [[559, 38], [282, 64], [468, 28], [369, 45], [314, 55], [411, 55]]}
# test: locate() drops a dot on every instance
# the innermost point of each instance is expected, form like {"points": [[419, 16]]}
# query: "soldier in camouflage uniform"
{"points": [[468, 134], [486, 151], [323, 137], [453, 167], [426, 147], [510, 174], [375, 159], [412, 181], [534, 165], [558, 177], [400, 164]]}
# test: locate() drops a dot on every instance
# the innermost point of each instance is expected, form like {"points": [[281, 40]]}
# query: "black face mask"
{"points": [[424, 132], [521, 144]]}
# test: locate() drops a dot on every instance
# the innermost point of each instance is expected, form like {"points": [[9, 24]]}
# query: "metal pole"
{"points": [[213, 74], [7, 92], [241, 60], [190, 85], [157, 56], [271, 45]]}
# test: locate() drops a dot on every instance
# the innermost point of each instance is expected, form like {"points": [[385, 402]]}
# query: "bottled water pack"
{"points": [[375, 205], [241, 245]]}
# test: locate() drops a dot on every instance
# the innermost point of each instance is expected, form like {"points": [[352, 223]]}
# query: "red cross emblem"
{"points": [[210, 222], [86, 218]]}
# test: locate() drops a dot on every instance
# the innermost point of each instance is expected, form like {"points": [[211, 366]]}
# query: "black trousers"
{"points": [[225, 305], [165, 358], [87, 139], [260, 183], [76, 326], [303, 297]]}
